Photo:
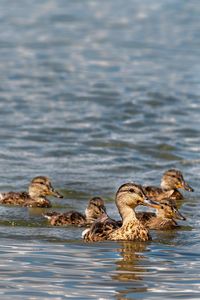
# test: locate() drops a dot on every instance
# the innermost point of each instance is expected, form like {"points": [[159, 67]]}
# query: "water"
{"points": [[94, 94]]}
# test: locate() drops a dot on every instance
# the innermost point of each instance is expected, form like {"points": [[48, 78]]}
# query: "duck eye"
{"points": [[40, 182], [131, 190]]}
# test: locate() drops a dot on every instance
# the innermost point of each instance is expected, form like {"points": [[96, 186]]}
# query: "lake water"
{"points": [[94, 94]]}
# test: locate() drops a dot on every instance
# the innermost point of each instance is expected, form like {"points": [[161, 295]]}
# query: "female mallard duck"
{"points": [[93, 211], [164, 218], [128, 197], [39, 188], [172, 180]]}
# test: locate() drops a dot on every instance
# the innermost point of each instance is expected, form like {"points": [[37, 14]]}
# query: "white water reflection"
{"points": [[104, 270]]}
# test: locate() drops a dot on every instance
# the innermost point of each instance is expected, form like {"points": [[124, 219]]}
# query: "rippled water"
{"points": [[94, 94]]}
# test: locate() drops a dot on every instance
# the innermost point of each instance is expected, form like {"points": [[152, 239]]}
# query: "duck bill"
{"points": [[56, 194], [151, 203], [103, 210], [102, 218], [178, 215], [187, 187]]}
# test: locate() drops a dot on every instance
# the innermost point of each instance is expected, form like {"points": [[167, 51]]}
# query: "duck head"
{"points": [[41, 186], [130, 195], [169, 210], [173, 179], [95, 209]]}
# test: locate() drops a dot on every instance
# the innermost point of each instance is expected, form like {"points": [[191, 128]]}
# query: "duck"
{"points": [[171, 181], [164, 217], [38, 189], [128, 197], [94, 210]]}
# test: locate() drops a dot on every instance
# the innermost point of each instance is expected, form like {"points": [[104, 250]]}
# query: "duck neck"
{"points": [[165, 186], [36, 196], [160, 214], [89, 215], [127, 214]]}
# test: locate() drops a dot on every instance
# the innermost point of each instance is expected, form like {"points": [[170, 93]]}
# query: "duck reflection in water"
{"points": [[129, 268]]}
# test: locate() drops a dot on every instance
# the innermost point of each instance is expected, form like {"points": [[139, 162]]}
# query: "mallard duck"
{"points": [[93, 211], [172, 180], [128, 197], [164, 218], [39, 188]]}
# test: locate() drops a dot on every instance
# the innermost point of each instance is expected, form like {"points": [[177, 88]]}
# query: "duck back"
{"points": [[14, 198], [156, 193], [100, 230], [68, 218], [161, 224], [144, 217]]}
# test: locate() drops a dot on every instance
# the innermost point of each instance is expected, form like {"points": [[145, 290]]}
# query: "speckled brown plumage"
{"points": [[172, 180], [94, 210], [39, 188], [128, 197], [131, 231], [101, 228], [14, 198], [164, 218], [68, 218]]}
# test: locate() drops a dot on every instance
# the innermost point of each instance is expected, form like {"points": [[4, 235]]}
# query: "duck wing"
{"points": [[156, 193], [145, 217], [153, 192], [14, 198], [162, 224], [101, 229], [67, 218], [41, 202]]}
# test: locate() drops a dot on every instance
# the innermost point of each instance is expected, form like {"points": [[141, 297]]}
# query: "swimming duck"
{"points": [[128, 197], [93, 211], [39, 188], [164, 218], [172, 180]]}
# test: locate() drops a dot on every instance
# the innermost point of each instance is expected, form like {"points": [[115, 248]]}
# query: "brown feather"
{"points": [[67, 218], [128, 197], [39, 188], [94, 209], [171, 181], [156, 193]]}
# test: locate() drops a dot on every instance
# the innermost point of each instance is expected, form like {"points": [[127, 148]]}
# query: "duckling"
{"points": [[101, 228], [164, 218], [39, 187], [94, 209], [128, 197], [172, 180]]}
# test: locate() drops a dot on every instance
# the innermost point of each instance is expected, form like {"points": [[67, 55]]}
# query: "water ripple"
{"points": [[95, 94]]}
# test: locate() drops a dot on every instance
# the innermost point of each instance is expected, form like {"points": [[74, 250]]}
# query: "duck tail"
{"points": [[85, 232], [50, 215], [47, 216], [1, 196]]}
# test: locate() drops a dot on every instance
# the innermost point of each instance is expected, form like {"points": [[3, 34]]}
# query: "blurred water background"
{"points": [[94, 94]]}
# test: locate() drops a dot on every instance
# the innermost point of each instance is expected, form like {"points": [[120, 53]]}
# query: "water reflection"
{"points": [[129, 268]]}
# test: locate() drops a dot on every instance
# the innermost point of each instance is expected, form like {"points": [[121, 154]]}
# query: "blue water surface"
{"points": [[94, 94]]}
